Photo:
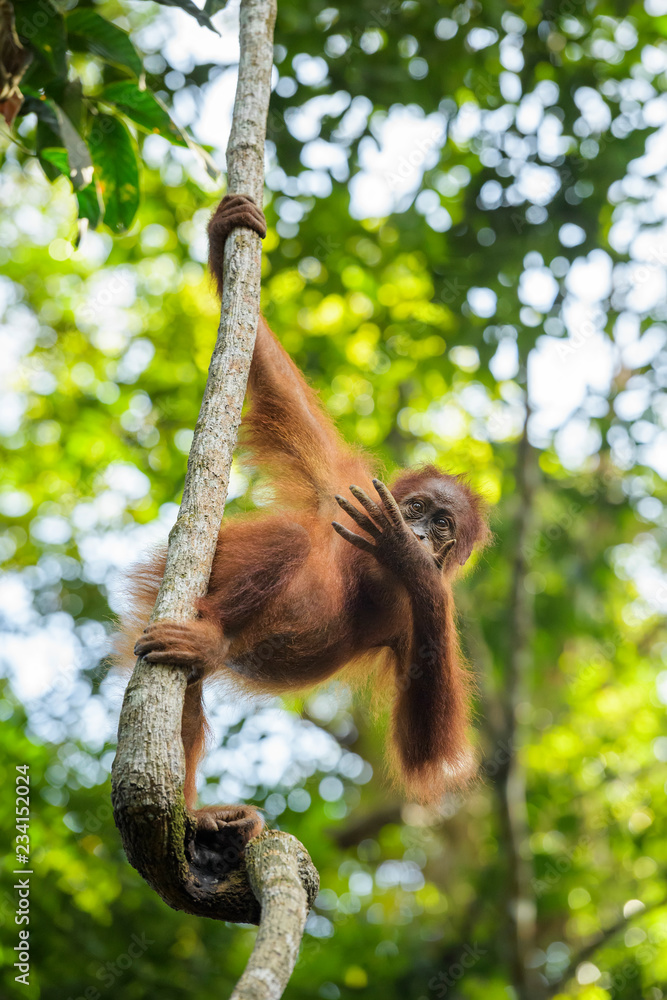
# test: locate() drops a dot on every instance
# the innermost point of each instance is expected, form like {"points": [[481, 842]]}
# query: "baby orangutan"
{"points": [[323, 578]]}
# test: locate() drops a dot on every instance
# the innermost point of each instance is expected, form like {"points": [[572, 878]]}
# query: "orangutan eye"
{"points": [[417, 506], [445, 522]]}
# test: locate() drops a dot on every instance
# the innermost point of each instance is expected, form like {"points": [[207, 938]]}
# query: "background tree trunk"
{"points": [[511, 778]]}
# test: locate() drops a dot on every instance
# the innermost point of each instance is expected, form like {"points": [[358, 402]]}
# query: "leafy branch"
{"points": [[90, 134]]}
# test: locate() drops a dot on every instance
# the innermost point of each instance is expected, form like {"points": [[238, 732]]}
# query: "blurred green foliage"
{"points": [[106, 349]]}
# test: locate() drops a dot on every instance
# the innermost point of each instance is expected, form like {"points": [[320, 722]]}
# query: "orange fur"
{"points": [[291, 602]]}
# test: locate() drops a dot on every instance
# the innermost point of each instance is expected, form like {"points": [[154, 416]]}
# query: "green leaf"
{"points": [[71, 99], [57, 157], [190, 8], [55, 131], [148, 111], [88, 197], [143, 109], [212, 7], [47, 137], [116, 171], [80, 162], [89, 32], [42, 28], [89, 205]]}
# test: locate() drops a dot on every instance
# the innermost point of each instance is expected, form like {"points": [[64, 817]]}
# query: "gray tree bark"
{"points": [[274, 863], [277, 882]]}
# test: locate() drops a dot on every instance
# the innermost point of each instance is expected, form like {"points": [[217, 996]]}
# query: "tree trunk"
{"points": [[511, 778], [149, 769]]}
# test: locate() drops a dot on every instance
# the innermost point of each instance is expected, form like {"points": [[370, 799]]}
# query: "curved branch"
{"points": [[157, 830], [278, 870], [590, 949]]}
